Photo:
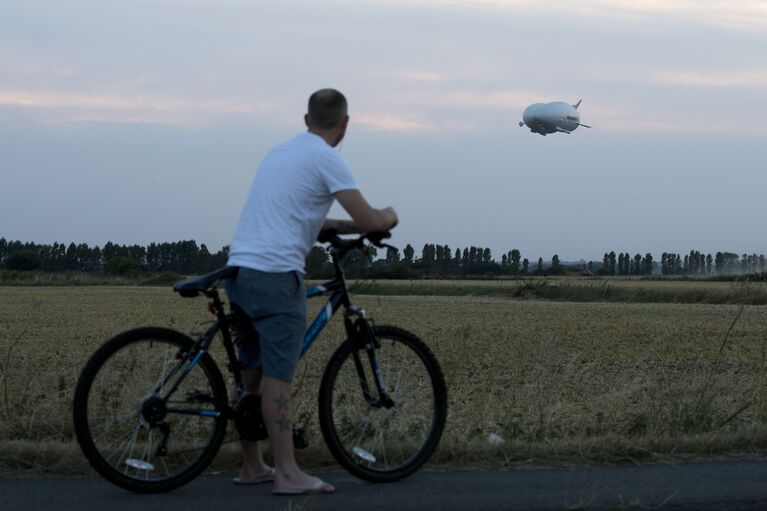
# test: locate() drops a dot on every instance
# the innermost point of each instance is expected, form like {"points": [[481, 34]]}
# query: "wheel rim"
{"points": [[376, 437], [128, 421]]}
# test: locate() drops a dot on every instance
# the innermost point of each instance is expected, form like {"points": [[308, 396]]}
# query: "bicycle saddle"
{"points": [[190, 288]]}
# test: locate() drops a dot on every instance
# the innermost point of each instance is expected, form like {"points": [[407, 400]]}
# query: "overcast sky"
{"points": [[145, 120]]}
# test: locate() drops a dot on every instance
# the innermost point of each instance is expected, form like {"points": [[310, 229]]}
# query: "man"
{"points": [[291, 195]]}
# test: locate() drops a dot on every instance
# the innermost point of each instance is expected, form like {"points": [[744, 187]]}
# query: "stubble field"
{"points": [[559, 382]]}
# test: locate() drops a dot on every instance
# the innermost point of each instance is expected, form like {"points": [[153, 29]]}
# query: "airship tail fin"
{"points": [[577, 104], [562, 130], [584, 125]]}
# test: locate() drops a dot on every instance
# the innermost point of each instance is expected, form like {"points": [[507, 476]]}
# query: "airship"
{"points": [[556, 117]]}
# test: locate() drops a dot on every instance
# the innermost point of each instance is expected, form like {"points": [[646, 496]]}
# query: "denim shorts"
{"points": [[275, 304]]}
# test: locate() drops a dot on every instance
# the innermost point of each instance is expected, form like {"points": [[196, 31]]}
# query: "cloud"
{"points": [[733, 14], [78, 108], [418, 75], [630, 119], [484, 100], [744, 79], [397, 123]]}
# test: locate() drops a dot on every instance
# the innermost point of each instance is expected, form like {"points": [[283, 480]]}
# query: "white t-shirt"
{"points": [[288, 203]]}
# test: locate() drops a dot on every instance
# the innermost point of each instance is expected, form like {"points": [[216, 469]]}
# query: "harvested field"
{"points": [[561, 382]]}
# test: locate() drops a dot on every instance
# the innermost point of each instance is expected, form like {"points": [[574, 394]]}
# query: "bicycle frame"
{"points": [[338, 298], [361, 333]]}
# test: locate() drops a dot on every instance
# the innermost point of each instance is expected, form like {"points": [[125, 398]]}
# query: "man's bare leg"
{"points": [[278, 414], [253, 465]]}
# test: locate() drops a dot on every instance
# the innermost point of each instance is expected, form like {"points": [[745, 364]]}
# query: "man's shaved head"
{"points": [[327, 107]]}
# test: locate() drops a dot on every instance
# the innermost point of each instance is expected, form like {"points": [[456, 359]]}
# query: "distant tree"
{"points": [[719, 262], [648, 264], [525, 266], [540, 266], [612, 264], [605, 270], [392, 255], [408, 252], [514, 257], [317, 262], [447, 260], [730, 262], [202, 264], [124, 265], [98, 262], [428, 255], [556, 265], [23, 260], [357, 262]]}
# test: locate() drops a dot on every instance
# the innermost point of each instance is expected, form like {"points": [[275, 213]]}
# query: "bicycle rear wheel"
{"points": [[150, 415], [371, 441]]}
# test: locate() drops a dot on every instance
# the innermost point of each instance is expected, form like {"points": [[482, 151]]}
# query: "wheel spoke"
{"points": [[124, 417], [122, 442], [400, 438]]}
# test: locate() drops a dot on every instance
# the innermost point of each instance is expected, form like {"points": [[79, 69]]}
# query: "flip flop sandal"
{"points": [[318, 488], [266, 478]]}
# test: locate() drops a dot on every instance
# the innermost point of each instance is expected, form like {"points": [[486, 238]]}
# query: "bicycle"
{"points": [[151, 407]]}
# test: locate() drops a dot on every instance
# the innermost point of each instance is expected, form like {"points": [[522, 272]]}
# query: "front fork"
{"points": [[362, 336]]}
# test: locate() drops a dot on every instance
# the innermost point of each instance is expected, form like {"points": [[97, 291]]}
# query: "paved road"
{"points": [[712, 485]]}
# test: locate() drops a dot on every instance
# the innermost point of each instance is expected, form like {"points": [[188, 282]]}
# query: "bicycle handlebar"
{"points": [[345, 245]]}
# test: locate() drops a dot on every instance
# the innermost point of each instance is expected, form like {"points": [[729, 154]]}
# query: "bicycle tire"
{"points": [[413, 425], [116, 382]]}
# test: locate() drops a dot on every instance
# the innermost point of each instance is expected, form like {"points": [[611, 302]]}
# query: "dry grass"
{"points": [[579, 289], [560, 382]]}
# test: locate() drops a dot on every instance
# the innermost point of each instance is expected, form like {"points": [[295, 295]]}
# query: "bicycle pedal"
{"points": [[300, 441]]}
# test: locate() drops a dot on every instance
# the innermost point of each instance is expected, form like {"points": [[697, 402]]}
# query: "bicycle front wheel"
{"points": [[149, 414], [375, 442]]}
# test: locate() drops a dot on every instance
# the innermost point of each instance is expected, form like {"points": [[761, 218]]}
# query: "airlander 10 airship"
{"points": [[556, 117]]}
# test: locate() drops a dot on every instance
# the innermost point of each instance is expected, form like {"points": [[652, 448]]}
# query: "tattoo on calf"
{"points": [[284, 424], [281, 402]]}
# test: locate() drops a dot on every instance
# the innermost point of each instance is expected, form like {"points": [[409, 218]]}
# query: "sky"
{"points": [[145, 121]]}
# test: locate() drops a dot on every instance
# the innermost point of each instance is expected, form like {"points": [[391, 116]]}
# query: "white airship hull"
{"points": [[548, 118]]}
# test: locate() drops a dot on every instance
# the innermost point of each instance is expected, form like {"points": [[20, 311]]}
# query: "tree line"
{"points": [[441, 261], [183, 257]]}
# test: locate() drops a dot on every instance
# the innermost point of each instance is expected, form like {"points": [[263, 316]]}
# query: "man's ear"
{"points": [[306, 120]]}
